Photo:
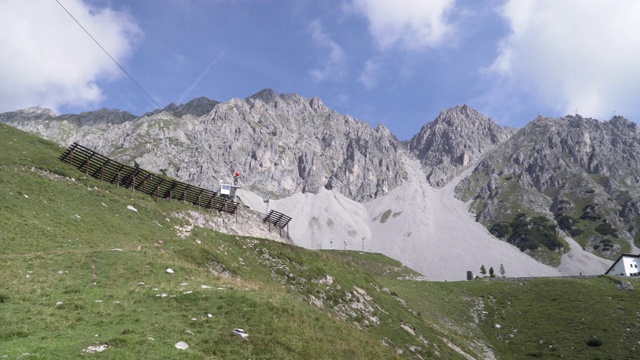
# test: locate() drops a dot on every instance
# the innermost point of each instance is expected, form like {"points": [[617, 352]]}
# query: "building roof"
{"points": [[621, 256]]}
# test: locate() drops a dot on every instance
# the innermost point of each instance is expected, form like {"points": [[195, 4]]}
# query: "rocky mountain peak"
{"points": [[291, 103], [34, 112], [454, 140], [281, 143]]}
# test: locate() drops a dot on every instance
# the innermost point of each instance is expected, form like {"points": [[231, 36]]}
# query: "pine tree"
{"points": [[483, 270], [502, 270], [491, 273]]}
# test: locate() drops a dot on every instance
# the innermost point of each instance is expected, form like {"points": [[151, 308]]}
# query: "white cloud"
{"points": [[48, 60], [574, 54], [408, 24], [334, 66]]}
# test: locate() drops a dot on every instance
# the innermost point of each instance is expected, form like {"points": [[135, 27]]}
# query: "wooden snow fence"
{"points": [[136, 178]]}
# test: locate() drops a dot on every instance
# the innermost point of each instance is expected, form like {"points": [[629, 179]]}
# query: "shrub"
{"points": [[594, 342], [530, 234], [500, 230], [606, 229]]}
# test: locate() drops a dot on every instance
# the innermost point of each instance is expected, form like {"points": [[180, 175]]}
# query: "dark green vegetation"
{"points": [[81, 270], [534, 234]]}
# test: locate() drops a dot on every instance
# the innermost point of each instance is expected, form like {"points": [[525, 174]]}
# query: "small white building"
{"points": [[626, 265]]}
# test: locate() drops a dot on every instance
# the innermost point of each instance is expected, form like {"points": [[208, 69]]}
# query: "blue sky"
{"points": [[397, 63]]}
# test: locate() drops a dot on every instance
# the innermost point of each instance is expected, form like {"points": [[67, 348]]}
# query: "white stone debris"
{"points": [[95, 349], [59, 303], [129, 207], [241, 333], [116, 249], [26, 196], [181, 345], [169, 271]]}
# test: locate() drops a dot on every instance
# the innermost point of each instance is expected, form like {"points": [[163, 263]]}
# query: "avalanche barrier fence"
{"points": [[136, 178]]}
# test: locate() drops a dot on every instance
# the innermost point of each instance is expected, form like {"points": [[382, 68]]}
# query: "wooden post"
{"points": [[73, 147]]}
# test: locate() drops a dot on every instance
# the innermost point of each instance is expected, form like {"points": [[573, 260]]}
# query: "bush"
{"points": [[606, 229], [594, 342], [566, 222], [531, 233], [500, 230]]}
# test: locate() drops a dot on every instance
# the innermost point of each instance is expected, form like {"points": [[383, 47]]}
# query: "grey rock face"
{"points": [[456, 138], [282, 144], [582, 172]]}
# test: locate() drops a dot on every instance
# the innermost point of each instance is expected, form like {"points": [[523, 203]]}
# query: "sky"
{"points": [[398, 63]]}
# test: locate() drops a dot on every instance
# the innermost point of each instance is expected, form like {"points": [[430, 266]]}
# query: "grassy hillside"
{"points": [[81, 270]]}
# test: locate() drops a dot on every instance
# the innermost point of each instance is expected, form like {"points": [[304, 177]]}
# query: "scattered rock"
{"points": [[497, 326], [241, 333], [26, 196], [95, 349], [181, 345], [408, 329], [59, 303], [116, 249], [169, 271], [625, 285], [129, 207]]}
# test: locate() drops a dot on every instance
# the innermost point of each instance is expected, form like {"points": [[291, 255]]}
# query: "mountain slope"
{"points": [[582, 173], [84, 274], [426, 229]]}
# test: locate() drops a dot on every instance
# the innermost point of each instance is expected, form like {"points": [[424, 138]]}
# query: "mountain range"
{"points": [[560, 196]]}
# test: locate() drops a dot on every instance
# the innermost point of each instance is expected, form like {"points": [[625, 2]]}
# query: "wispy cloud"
{"points": [[573, 54], [369, 76], [187, 91], [50, 61], [334, 65]]}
